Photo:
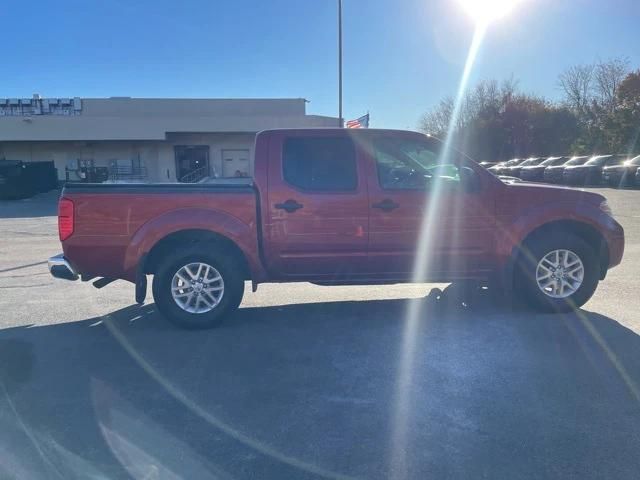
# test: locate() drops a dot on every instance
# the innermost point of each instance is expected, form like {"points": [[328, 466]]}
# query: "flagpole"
{"points": [[340, 123]]}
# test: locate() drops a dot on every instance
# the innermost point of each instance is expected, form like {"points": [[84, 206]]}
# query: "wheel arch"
{"points": [[193, 237], [208, 225], [581, 229]]}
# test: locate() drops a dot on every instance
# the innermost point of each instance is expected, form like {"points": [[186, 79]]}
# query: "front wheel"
{"points": [[559, 272], [196, 289]]}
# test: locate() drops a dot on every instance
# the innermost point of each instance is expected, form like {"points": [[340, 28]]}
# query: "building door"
{"points": [[192, 162], [235, 163]]}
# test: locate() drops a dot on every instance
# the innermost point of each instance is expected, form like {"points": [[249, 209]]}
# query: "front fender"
{"points": [[242, 234], [513, 229]]}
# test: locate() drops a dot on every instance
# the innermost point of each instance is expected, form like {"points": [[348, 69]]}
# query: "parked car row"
{"points": [[612, 170]]}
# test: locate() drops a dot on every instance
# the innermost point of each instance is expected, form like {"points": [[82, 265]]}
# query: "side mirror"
{"points": [[469, 179]]}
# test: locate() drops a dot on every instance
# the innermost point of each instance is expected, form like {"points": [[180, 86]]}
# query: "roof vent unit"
{"points": [[65, 101], [45, 105], [77, 104], [14, 101], [25, 101]]}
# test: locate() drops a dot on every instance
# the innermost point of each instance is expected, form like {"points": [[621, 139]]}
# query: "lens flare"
{"points": [[421, 268], [485, 11]]}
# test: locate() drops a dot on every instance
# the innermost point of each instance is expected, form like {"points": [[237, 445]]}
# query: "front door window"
{"points": [[411, 165]]}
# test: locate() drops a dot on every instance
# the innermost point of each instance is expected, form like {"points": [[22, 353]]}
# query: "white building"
{"points": [[145, 138]]}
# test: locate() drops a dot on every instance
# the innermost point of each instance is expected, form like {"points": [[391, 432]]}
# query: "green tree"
{"points": [[591, 93], [497, 122], [623, 126]]}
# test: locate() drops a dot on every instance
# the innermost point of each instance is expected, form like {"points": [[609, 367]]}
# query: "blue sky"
{"points": [[401, 56]]}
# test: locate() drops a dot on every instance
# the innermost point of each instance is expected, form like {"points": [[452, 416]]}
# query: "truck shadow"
{"points": [[312, 390]]}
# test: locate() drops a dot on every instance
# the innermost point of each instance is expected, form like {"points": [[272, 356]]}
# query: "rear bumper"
{"points": [[59, 267]]}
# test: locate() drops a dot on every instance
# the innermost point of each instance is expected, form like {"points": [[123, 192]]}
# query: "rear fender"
{"points": [[221, 223]]}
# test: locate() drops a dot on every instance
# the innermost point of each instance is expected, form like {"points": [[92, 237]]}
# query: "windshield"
{"points": [[577, 161], [531, 161], [633, 161], [553, 161], [617, 160], [599, 161]]}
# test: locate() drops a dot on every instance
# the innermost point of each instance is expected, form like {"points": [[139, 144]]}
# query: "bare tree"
{"points": [[577, 84], [509, 88], [608, 76], [486, 98], [436, 121]]}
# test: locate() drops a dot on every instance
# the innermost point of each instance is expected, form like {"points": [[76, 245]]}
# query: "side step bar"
{"points": [[103, 282]]}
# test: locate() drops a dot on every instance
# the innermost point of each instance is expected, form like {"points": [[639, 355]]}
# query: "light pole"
{"points": [[340, 123]]}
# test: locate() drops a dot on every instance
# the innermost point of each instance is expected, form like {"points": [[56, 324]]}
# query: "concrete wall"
{"points": [[192, 107], [66, 154], [150, 119], [158, 157], [217, 142], [122, 128]]}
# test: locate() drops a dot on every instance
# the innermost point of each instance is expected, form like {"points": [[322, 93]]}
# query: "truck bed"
{"points": [[114, 224]]}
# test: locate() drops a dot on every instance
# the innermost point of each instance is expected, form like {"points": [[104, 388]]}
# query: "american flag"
{"points": [[362, 122]]}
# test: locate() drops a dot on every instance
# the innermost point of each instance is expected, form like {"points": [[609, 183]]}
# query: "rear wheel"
{"points": [[197, 288], [559, 272]]}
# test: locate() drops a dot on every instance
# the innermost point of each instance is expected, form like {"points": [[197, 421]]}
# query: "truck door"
{"points": [[411, 188], [317, 223]]}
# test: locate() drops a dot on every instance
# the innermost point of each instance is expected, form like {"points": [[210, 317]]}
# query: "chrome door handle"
{"points": [[289, 206]]}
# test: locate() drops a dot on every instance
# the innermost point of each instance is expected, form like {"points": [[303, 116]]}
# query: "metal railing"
{"points": [[86, 174], [126, 172], [195, 175]]}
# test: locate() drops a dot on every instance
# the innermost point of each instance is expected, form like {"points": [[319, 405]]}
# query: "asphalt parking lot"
{"points": [[312, 382]]}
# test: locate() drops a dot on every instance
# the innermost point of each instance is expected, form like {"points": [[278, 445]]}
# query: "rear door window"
{"points": [[320, 163]]}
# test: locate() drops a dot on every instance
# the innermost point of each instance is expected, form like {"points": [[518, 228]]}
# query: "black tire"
{"points": [[535, 250], [229, 268]]}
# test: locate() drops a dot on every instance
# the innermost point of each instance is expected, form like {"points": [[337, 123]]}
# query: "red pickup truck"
{"points": [[336, 207]]}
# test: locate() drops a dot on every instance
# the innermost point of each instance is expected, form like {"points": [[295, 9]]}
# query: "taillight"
{"points": [[65, 218]]}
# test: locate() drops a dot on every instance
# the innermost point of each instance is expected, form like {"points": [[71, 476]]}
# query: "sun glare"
{"points": [[485, 11], [414, 314]]}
